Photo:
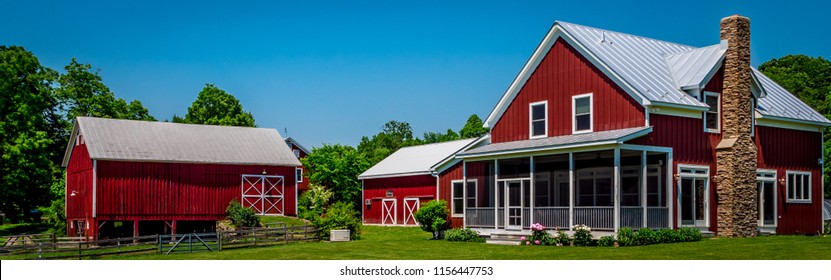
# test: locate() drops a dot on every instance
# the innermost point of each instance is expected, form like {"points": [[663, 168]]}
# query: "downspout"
{"points": [[363, 202], [822, 178], [436, 174]]}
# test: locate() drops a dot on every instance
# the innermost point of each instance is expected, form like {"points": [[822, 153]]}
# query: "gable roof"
{"points": [[655, 72], [415, 160], [297, 144], [128, 140]]}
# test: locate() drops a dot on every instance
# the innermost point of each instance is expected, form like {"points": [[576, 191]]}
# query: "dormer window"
{"points": [[712, 117], [539, 119], [582, 111]]}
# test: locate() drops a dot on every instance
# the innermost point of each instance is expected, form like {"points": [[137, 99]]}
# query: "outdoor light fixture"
{"points": [[264, 173], [677, 177], [782, 181], [74, 193]]}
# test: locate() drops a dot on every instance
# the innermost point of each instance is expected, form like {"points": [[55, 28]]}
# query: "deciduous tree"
{"points": [[217, 107]]}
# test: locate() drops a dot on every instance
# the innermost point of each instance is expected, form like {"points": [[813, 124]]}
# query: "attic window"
{"points": [[539, 120], [296, 153], [582, 108], [712, 117]]}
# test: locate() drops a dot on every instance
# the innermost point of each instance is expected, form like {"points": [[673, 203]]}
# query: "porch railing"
{"points": [[479, 217], [552, 217], [631, 216], [657, 217], [596, 217]]}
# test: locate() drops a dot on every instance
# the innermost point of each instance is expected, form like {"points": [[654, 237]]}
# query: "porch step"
{"points": [[707, 234], [503, 238]]}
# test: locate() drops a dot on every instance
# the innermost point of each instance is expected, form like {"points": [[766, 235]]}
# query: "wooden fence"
{"points": [[48, 246]]}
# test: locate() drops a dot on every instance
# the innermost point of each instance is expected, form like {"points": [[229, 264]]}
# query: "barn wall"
{"points": [[564, 73], [168, 191], [79, 172], [418, 186], [793, 150]]}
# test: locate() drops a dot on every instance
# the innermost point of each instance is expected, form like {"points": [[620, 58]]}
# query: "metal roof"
{"points": [[297, 144], [826, 209], [128, 140], [415, 160], [659, 71], [558, 142]]}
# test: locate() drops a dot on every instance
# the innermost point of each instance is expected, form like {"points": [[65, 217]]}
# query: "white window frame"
{"points": [[700, 172], [298, 176], [788, 198], [453, 198], [574, 115], [718, 112], [769, 175], [531, 119], [296, 153]]}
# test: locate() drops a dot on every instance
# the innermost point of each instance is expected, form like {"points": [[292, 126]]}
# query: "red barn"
{"points": [[300, 152], [396, 187], [128, 177], [614, 130]]}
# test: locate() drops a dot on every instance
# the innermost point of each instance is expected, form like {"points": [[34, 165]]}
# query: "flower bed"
{"points": [[625, 237]]}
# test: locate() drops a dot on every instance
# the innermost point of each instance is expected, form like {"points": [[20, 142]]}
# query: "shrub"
{"points": [[241, 216], [646, 236], [626, 237], [582, 235], [562, 238], [432, 217], [341, 215], [666, 235], [313, 202], [606, 241], [463, 235], [689, 234], [54, 217], [538, 236]]}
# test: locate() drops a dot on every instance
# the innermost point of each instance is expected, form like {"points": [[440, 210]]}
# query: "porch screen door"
{"points": [[514, 200], [693, 197]]}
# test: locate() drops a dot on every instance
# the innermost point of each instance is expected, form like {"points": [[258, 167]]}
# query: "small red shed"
{"points": [[395, 188], [127, 177]]}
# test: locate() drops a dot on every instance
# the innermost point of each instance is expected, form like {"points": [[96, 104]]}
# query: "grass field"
{"points": [[400, 243]]}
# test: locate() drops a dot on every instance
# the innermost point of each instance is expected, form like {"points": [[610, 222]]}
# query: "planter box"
{"points": [[339, 235]]}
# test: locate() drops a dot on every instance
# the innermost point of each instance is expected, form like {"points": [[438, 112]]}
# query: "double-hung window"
{"points": [[798, 187], [539, 119], [458, 193], [582, 113], [298, 174], [712, 117]]}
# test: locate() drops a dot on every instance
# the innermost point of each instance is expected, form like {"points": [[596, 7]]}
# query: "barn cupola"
{"points": [[736, 153]]}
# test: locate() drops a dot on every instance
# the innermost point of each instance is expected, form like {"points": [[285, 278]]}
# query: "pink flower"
{"points": [[522, 238], [537, 242], [527, 243]]}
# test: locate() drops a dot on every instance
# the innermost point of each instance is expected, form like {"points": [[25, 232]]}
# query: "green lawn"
{"points": [[395, 243], [289, 221]]}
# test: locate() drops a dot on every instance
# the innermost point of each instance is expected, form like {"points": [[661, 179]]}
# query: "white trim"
{"points": [[464, 194], [574, 113], [571, 187], [496, 194], [718, 112], [363, 205], [385, 213], [644, 193], [706, 177], [412, 209], [674, 111], [94, 187], [533, 62], [616, 189], [452, 160], [453, 198], [508, 206], [531, 119], [298, 179], [394, 175], [771, 179], [531, 190], [780, 123], [788, 198]]}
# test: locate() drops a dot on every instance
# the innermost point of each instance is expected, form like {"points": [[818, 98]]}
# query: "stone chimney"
{"points": [[736, 153]]}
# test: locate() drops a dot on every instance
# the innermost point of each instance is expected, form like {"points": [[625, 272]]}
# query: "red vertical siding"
{"points": [[564, 73], [177, 191], [79, 182], [793, 150], [475, 170], [304, 185], [420, 186]]}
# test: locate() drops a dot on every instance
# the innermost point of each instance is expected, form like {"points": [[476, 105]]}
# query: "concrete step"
{"points": [[707, 234], [502, 242]]}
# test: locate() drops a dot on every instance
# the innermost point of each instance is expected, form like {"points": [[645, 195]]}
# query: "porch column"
{"points": [[531, 187], [570, 190], [643, 186], [464, 194], [617, 189], [670, 176], [496, 194]]}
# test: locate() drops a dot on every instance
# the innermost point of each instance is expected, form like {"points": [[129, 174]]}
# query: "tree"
{"points": [[809, 78], [29, 125], [83, 93], [393, 136], [217, 107], [336, 167], [437, 137], [473, 128]]}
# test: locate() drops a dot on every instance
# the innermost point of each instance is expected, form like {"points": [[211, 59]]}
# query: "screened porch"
{"points": [[605, 189]]}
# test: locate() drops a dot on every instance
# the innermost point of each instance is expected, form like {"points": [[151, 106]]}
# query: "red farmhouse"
{"points": [[614, 130], [394, 188], [136, 177], [300, 152]]}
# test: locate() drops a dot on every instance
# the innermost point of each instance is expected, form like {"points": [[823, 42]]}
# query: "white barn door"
{"points": [[411, 205], [388, 210]]}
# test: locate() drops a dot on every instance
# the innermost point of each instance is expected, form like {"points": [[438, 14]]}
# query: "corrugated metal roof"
{"points": [[781, 103], [585, 139], [826, 209], [127, 140], [691, 69], [298, 145], [415, 159]]}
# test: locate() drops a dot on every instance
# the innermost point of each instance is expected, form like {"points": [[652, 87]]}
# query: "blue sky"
{"points": [[331, 72]]}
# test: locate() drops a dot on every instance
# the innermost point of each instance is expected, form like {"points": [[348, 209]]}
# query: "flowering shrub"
{"points": [[562, 238], [582, 235], [538, 236]]}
